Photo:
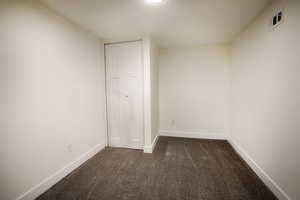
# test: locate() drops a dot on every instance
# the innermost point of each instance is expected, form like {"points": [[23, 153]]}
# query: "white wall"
{"points": [[154, 60], [52, 95], [151, 109], [193, 91], [147, 94], [265, 96]]}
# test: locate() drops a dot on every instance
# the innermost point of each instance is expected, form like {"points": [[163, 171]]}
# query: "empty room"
{"points": [[149, 99]]}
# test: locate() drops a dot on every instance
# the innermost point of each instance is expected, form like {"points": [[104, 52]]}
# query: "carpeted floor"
{"points": [[179, 169]]}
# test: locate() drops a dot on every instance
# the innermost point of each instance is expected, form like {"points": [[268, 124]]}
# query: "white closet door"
{"points": [[124, 71]]}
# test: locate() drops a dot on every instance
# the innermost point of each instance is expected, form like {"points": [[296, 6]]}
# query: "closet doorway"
{"points": [[124, 87]]}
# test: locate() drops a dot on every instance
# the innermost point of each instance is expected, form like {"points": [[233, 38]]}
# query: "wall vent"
{"points": [[277, 19]]}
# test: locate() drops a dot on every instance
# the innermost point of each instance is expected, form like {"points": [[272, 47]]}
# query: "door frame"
{"points": [[143, 89]]}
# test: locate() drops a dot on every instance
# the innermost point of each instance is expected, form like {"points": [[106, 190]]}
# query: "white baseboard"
{"points": [[197, 135], [150, 149], [273, 186], [47, 183]]}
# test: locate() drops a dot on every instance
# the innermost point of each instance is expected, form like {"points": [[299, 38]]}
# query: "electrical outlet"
{"points": [[70, 148]]}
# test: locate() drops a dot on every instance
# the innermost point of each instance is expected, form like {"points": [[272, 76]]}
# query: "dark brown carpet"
{"points": [[179, 169]]}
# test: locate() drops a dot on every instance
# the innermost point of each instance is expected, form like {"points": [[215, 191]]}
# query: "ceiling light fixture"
{"points": [[154, 1]]}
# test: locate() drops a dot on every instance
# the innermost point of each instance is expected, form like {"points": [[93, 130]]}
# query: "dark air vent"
{"points": [[274, 20], [277, 19]]}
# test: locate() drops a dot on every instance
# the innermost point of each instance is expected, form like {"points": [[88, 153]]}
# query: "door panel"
{"points": [[125, 94]]}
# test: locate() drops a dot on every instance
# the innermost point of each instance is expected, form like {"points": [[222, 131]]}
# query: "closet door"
{"points": [[124, 76]]}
